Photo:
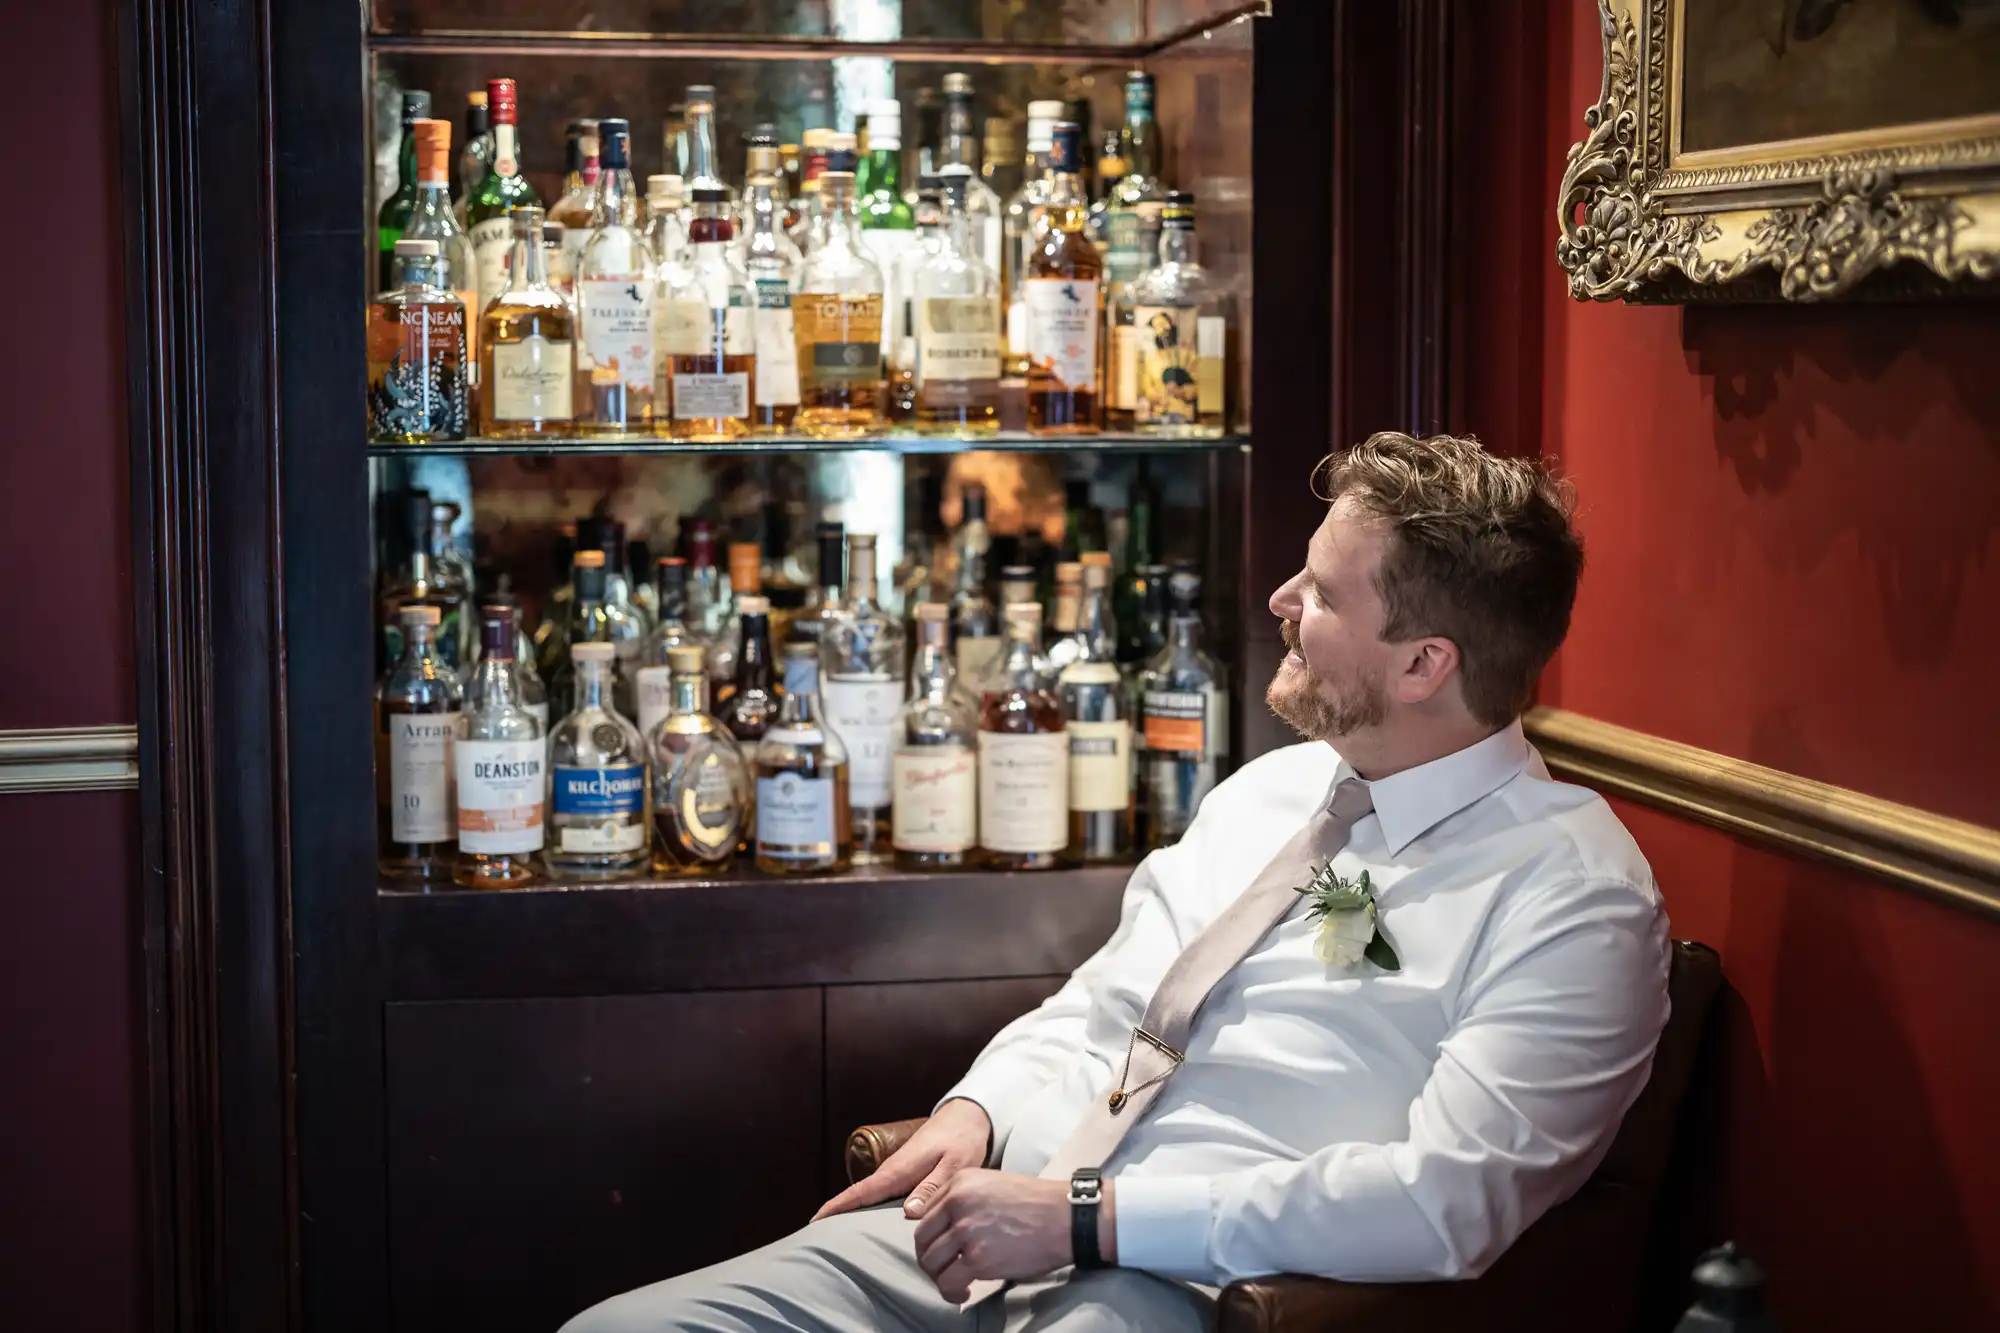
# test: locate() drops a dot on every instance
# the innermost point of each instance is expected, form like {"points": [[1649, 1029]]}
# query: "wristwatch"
{"points": [[1086, 1190]]}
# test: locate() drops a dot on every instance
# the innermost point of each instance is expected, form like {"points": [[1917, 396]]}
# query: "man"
{"points": [[1266, 1088]]}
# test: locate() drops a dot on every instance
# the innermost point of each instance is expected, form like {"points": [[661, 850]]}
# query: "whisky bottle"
{"points": [[418, 582], [701, 782], [502, 785], [899, 344], [529, 345], [653, 683], [703, 168], [975, 623], [888, 223], [452, 572], [837, 317], [615, 390], [578, 202], [956, 308], [394, 215], [1023, 756], [431, 219], [1064, 297], [416, 721], [983, 207], [1017, 588], [417, 390], [827, 599], [1099, 727], [1185, 716], [1128, 590], [503, 189], [753, 700], [597, 778], [772, 262], [666, 230], [935, 772], [593, 618], [1000, 165], [802, 818], [1169, 337], [527, 681], [862, 688], [745, 580], [1021, 224], [1066, 641], [708, 352], [476, 158], [1125, 253]]}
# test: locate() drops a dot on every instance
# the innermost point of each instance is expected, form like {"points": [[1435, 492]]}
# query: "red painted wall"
{"points": [[70, 1006], [1793, 527]]}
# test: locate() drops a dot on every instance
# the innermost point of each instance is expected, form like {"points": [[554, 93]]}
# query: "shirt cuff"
{"points": [[1162, 1224], [988, 1090]]}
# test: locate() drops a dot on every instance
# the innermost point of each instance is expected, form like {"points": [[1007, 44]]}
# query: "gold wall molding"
{"points": [[69, 759], [1947, 859]]}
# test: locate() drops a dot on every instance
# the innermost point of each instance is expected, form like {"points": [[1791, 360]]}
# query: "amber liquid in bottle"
{"points": [[1064, 291], [1023, 757]]}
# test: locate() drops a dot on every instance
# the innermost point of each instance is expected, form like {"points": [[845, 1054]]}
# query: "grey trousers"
{"points": [[858, 1273]]}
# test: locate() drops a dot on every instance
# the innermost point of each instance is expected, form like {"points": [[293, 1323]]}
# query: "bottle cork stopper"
{"points": [[686, 660], [1069, 571], [419, 615], [426, 249], [590, 559], [753, 606], [594, 651], [433, 150], [475, 99], [1089, 558], [1024, 611], [937, 611], [746, 563]]}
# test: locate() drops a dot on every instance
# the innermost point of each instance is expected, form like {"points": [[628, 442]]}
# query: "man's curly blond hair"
{"points": [[1480, 551]]}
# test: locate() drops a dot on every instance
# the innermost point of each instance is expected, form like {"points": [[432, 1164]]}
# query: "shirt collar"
{"points": [[1411, 803]]}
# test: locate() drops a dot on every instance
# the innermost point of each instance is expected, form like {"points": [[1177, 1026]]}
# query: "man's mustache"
{"points": [[1290, 631]]}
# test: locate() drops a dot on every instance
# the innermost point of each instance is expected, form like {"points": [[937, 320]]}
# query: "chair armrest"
{"points": [[1575, 1269], [871, 1145]]}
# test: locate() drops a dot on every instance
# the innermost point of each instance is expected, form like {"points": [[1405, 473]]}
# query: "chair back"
{"points": [[1645, 1139]]}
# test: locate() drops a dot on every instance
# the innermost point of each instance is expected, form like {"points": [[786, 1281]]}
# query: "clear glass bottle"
{"points": [[597, 779], [708, 610], [594, 619], [431, 219], [1184, 710], [528, 346], [556, 261], [1064, 296], [704, 166], [1098, 721], [825, 602], [453, 573], [802, 820], [837, 316], [1017, 587], [708, 350], [815, 150], [534, 693], [900, 347], [975, 622], [701, 781], [956, 309], [1169, 337], [666, 230], [746, 576], [1125, 254], [862, 688], [1065, 635], [502, 190], [416, 723], [753, 699], [476, 158], [615, 390], [1128, 590], [1020, 224], [417, 388], [653, 683], [1023, 757], [935, 773], [772, 262], [985, 212], [577, 205], [499, 758], [394, 215]]}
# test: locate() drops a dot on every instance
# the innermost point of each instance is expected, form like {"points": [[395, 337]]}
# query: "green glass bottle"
{"points": [[888, 225], [503, 189], [395, 213]]}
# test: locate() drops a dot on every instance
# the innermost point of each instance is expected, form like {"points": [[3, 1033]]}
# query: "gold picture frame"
{"points": [[1907, 210]]}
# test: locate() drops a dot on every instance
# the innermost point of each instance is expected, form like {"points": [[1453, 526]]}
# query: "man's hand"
{"points": [[954, 1138], [1000, 1224]]}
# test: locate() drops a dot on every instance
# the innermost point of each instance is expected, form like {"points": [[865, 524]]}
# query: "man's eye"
{"points": [[1319, 598]]}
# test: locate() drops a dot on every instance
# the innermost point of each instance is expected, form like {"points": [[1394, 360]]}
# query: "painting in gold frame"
{"points": [[1796, 150]]}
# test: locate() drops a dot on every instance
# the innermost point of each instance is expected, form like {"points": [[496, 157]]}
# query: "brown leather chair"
{"points": [[1580, 1267]]}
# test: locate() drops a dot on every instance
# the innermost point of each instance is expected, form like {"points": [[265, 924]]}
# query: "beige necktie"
{"points": [[1162, 1035]]}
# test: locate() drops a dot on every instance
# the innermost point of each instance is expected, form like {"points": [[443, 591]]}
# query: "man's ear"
{"points": [[1424, 667]]}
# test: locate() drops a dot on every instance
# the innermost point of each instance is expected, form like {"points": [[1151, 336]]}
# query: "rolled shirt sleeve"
{"points": [[1552, 1043]]}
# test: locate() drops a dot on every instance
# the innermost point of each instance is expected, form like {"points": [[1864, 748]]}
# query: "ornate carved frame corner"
{"points": [[1885, 221]]}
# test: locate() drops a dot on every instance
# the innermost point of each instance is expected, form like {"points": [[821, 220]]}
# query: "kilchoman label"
{"points": [[840, 337], [863, 711], [1062, 329], [1023, 791], [1100, 765], [777, 344], [1176, 721], [420, 776], [531, 380], [936, 802], [600, 809], [795, 817], [704, 801], [617, 319], [501, 788]]}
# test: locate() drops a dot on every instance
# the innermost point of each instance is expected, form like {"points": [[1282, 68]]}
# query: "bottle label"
{"points": [[612, 800], [777, 345], [492, 247], [1168, 364], [975, 659], [1023, 791], [1017, 328], [531, 380], [795, 817], [958, 352], [703, 397], [654, 689], [1125, 254], [840, 337], [1062, 329], [863, 712], [1211, 342], [703, 798], [936, 799], [501, 788], [693, 328], [1100, 765], [1123, 391], [420, 776], [617, 318], [1176, 720]]}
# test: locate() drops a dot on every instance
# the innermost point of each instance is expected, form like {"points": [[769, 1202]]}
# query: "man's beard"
{"points": [[1319, 708]]}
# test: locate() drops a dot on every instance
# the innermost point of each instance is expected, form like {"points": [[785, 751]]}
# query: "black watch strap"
{"points": [[1086, 1191]]}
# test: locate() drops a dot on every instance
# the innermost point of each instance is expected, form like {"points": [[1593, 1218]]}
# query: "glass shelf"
{"points": [[1005, 442]]}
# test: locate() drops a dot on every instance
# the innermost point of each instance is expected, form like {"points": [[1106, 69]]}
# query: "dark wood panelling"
{"points": [[546, 1154], [892, 1051], [860, 928]]}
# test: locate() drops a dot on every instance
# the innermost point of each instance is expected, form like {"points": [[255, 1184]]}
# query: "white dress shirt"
{"points": [[1362, 1124]]}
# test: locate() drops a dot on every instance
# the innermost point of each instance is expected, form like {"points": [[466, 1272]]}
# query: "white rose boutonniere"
{"points": [[1348, 929]]}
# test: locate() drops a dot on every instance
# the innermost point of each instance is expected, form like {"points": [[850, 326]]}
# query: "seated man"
{"points": [[1382, 1007]]}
